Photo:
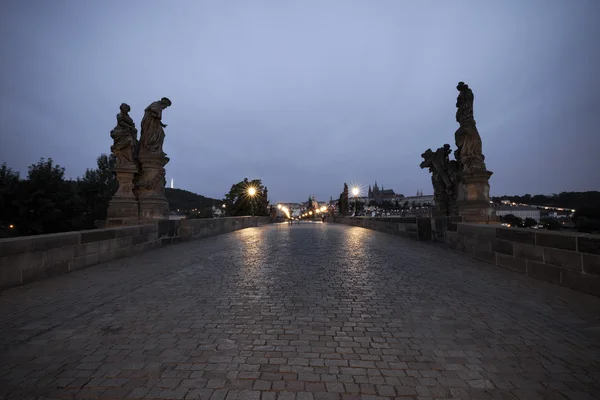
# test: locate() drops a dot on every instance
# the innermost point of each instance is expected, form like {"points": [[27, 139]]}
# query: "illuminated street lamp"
{"points": [[355, 193], [252, 193]]}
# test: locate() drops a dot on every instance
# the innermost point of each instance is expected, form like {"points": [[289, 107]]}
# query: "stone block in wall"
{"points": [[23, 261], [503, 247], [98, 235], [128, 231], [588, 244], [581, 282], [9, 276], [478, 229], [480, 243], [148, 228], [118, 243], [54, 240], [516, 235], [83, 261], [186, 232], [45, 271], [424, 229], [451, 239], [590, 263], [528, 251], [512, 263], [483, 255], [59, 254], [142, 248], [544, 272], [88, 248], [556, 240], [12, 246], [166, 228], [110, 255], [140, 239], [562, 258]]}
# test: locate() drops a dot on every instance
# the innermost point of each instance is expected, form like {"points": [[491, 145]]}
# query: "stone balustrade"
{"points": [[566, 258], [32, 258]]}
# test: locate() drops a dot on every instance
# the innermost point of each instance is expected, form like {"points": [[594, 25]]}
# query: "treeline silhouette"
{"points": [[46, 202]]}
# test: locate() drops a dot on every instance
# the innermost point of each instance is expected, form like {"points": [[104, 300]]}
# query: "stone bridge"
{"points": [[309, 311]]}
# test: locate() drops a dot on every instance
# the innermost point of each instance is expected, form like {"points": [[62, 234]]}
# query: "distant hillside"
{"points": [[574, 200], [183, 200]]}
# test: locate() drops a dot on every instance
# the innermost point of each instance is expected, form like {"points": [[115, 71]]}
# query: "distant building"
{"points": [[420, 200], [381, 195], [519, 211]]}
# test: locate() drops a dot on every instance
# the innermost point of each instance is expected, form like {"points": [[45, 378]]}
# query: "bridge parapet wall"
{"points": [[564, 258], [412, 227], [32, 258]]}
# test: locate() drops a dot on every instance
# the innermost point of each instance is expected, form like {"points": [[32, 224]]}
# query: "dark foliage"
{"points": [[46, 202], [186, 201], [573, 200], [343, 201], [239, 202]]}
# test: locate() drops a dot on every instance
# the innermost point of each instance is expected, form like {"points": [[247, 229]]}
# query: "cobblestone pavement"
{"points": [[316, 311]]}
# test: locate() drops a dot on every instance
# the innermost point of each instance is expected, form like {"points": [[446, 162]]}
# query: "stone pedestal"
{"points": [[150, 186], [123, 206], [473, 197]]}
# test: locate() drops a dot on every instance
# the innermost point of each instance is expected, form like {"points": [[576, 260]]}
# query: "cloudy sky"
{"points": [[308, 94]]}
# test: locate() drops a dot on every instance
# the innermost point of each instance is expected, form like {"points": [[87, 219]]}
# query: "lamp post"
{"points": [[224, 206], [252, 193], [355, 192]]}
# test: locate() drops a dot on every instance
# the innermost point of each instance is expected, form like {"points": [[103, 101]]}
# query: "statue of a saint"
{"points": [[464, 105], [153, 133], [125, 137], [468, 141], [444, 177]]}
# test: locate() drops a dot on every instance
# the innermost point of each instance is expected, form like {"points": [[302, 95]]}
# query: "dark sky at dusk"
{"points": [[309, 94]]}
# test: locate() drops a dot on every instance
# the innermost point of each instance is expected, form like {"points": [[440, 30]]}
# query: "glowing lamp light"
{"points": [[251, 191], [355, 191], [11, 226]]}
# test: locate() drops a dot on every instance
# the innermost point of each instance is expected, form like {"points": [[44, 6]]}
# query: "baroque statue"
{"points": [[125, 138], [469, 153], [444, 177], [153, 133]]}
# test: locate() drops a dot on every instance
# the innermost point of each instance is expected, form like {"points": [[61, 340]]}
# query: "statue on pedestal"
{"points": [[153, 133], [469, 153], [125, 138], [123, 205], [150, 184], [444, 178]]}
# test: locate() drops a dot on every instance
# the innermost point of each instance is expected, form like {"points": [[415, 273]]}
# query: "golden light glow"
{"points": [[284, 210], [355, 191], [251, 191], [11, 226], [310, 213]]}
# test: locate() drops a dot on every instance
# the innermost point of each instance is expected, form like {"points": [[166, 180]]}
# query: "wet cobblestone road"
{"points": [[315, 311]]}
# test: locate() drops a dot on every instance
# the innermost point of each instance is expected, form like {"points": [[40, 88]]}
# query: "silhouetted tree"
{"points": [[96, 188], [529, 222], [343, 201], [238, 201]]}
